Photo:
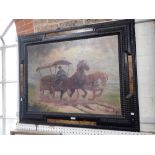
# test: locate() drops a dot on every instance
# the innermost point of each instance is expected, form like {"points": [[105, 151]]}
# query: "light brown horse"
{"points": [[98, 75], [96, 82]]}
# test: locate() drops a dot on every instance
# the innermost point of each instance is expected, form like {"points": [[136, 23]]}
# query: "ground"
{"points": [[107, 104]]}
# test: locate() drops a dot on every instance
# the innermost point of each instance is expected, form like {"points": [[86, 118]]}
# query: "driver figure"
{"points": [[60, 76]]}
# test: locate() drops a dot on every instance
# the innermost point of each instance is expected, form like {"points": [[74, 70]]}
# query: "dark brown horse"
{"points": [[77, 81]]}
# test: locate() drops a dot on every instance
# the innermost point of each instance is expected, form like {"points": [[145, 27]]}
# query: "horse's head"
{"points": [[82, 65]]}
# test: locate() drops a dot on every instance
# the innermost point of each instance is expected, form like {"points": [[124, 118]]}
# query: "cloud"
{"points": [[100, 53]]}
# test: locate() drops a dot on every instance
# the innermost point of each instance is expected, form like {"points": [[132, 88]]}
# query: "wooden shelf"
{"points": [[27, 132]]}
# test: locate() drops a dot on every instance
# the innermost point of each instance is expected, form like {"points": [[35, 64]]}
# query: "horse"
{"points": [[77, 81], [96, 82], [93, 77]]}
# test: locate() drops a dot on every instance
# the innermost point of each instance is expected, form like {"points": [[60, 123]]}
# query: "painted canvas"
{"points": [[78, 76]]}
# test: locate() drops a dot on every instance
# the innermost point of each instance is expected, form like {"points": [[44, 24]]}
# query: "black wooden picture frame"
{"points": [[129, 118]]}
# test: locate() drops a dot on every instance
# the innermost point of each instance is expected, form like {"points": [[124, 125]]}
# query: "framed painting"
{"points": [[81, 76]]}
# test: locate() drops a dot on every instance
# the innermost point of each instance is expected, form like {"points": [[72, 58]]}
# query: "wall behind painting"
{"points": [[145, 43]]}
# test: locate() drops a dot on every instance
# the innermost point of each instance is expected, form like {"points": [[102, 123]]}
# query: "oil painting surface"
{"points": [[79, 76]]}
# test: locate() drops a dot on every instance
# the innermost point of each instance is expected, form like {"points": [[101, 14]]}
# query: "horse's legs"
{"points": [[85, 92], [96, 95], [68, 92], [93, 95], [52, 92], [72, 92], [61, 95], [77, 93], [100, 93]]}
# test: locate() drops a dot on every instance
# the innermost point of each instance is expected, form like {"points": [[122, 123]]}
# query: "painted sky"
{"points": [[100, 53]]}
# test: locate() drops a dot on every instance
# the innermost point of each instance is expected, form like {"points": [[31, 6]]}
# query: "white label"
{"points": [[73, 118], [132, 113]]}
